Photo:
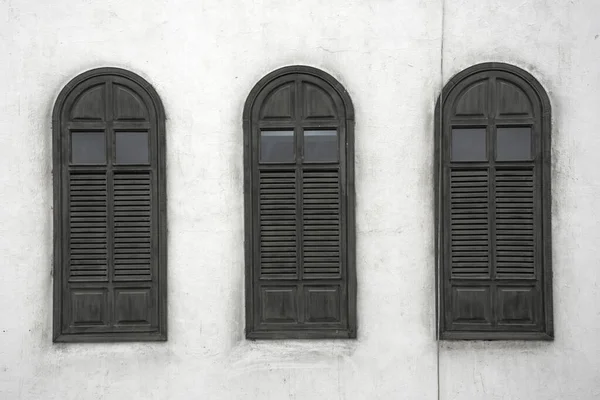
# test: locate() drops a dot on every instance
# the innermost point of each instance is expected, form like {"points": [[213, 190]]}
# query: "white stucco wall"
{"points": [[203, 57]]}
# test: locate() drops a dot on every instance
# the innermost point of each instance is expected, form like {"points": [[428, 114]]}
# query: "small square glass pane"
{"points": [[321, 145], [468, 144], [88, 148], [131, 148], [277, 146], [513, 143]]}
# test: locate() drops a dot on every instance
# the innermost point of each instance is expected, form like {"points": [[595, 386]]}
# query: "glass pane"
{"points": [[88, 148], [131, 147], [320, 145], [277, 146], [468, 144], [513, 143]]}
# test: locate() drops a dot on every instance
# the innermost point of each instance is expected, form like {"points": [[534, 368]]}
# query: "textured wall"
{"points": [[203, 57]]}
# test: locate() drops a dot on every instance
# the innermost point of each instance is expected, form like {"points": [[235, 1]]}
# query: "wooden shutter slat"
{"points": [[132, 227], [469, 223]]}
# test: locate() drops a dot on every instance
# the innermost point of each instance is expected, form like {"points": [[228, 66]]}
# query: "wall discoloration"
{"points": [[203, 58]]}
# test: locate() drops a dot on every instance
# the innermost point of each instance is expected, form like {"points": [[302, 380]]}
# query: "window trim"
{"points": [[440, 121], [249, 202], [60, 221]]}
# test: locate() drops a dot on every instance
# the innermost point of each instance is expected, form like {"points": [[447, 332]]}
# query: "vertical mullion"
{"points": [[298, 132], [491, 131], [109, 101], [299, 135]]}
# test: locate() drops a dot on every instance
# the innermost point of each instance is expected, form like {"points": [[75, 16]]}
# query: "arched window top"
{"points": [[469, 93], [85, 98], [273, 97], [109, 209]]}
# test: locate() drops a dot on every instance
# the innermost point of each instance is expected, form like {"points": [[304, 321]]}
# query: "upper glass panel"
{"points": [[468, 144], [321, 145], [132, 148], [513, 143], [88, 148], [277, 146]]}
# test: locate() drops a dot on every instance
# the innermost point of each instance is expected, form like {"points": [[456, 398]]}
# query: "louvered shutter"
{"points": [[298, 283], [494, 280], [321, 216], [278, 225], [110, 278], [132, 219], [88, 227]]}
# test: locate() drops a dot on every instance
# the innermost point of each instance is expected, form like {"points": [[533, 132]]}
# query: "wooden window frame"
{"points": [[60, 219], [251, 125], [543, 261]]}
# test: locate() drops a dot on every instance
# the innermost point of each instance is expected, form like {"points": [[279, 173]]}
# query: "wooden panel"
{"points": [[471, 305], [88, 259], [278, 226], [279, 104], [90, 105], [89, 307], [516, 305], [321, 224], [132, 226], [133, 306], [317, 102], [469, 223], [511, 100], [322, 303], [473, 101], [279, 304], [128, 105], [515, 238]]}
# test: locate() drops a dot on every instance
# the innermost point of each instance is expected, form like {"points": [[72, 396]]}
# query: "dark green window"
{"points": [[493, 206], [299, 207], [109, 209]]}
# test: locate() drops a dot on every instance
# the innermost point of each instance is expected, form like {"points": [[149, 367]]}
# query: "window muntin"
{"points": [[109, 188], [299, 204], [494, 211]]}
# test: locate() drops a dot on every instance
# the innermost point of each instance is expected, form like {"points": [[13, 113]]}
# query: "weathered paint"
{"points": [[203, 58]]}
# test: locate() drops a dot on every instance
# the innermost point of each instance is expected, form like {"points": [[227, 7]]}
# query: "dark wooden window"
{"points": [[493, 206], [299, 206], [109, 209]]}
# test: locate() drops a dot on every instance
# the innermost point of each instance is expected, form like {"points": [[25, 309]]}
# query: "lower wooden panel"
{"points": [[279, 304], [89, 308]]}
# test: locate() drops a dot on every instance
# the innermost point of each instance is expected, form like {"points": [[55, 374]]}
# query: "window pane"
{"points": [[320, 145], [88, 148], [277, 146], [131, 147], [468, 144], [513, 143]]}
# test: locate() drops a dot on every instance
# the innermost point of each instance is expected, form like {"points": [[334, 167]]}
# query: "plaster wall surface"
{"points": [[203, 58]]}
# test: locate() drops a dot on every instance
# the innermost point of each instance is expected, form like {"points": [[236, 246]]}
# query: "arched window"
{"points": [[109, 209], [299, 207], [493, 206]]}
